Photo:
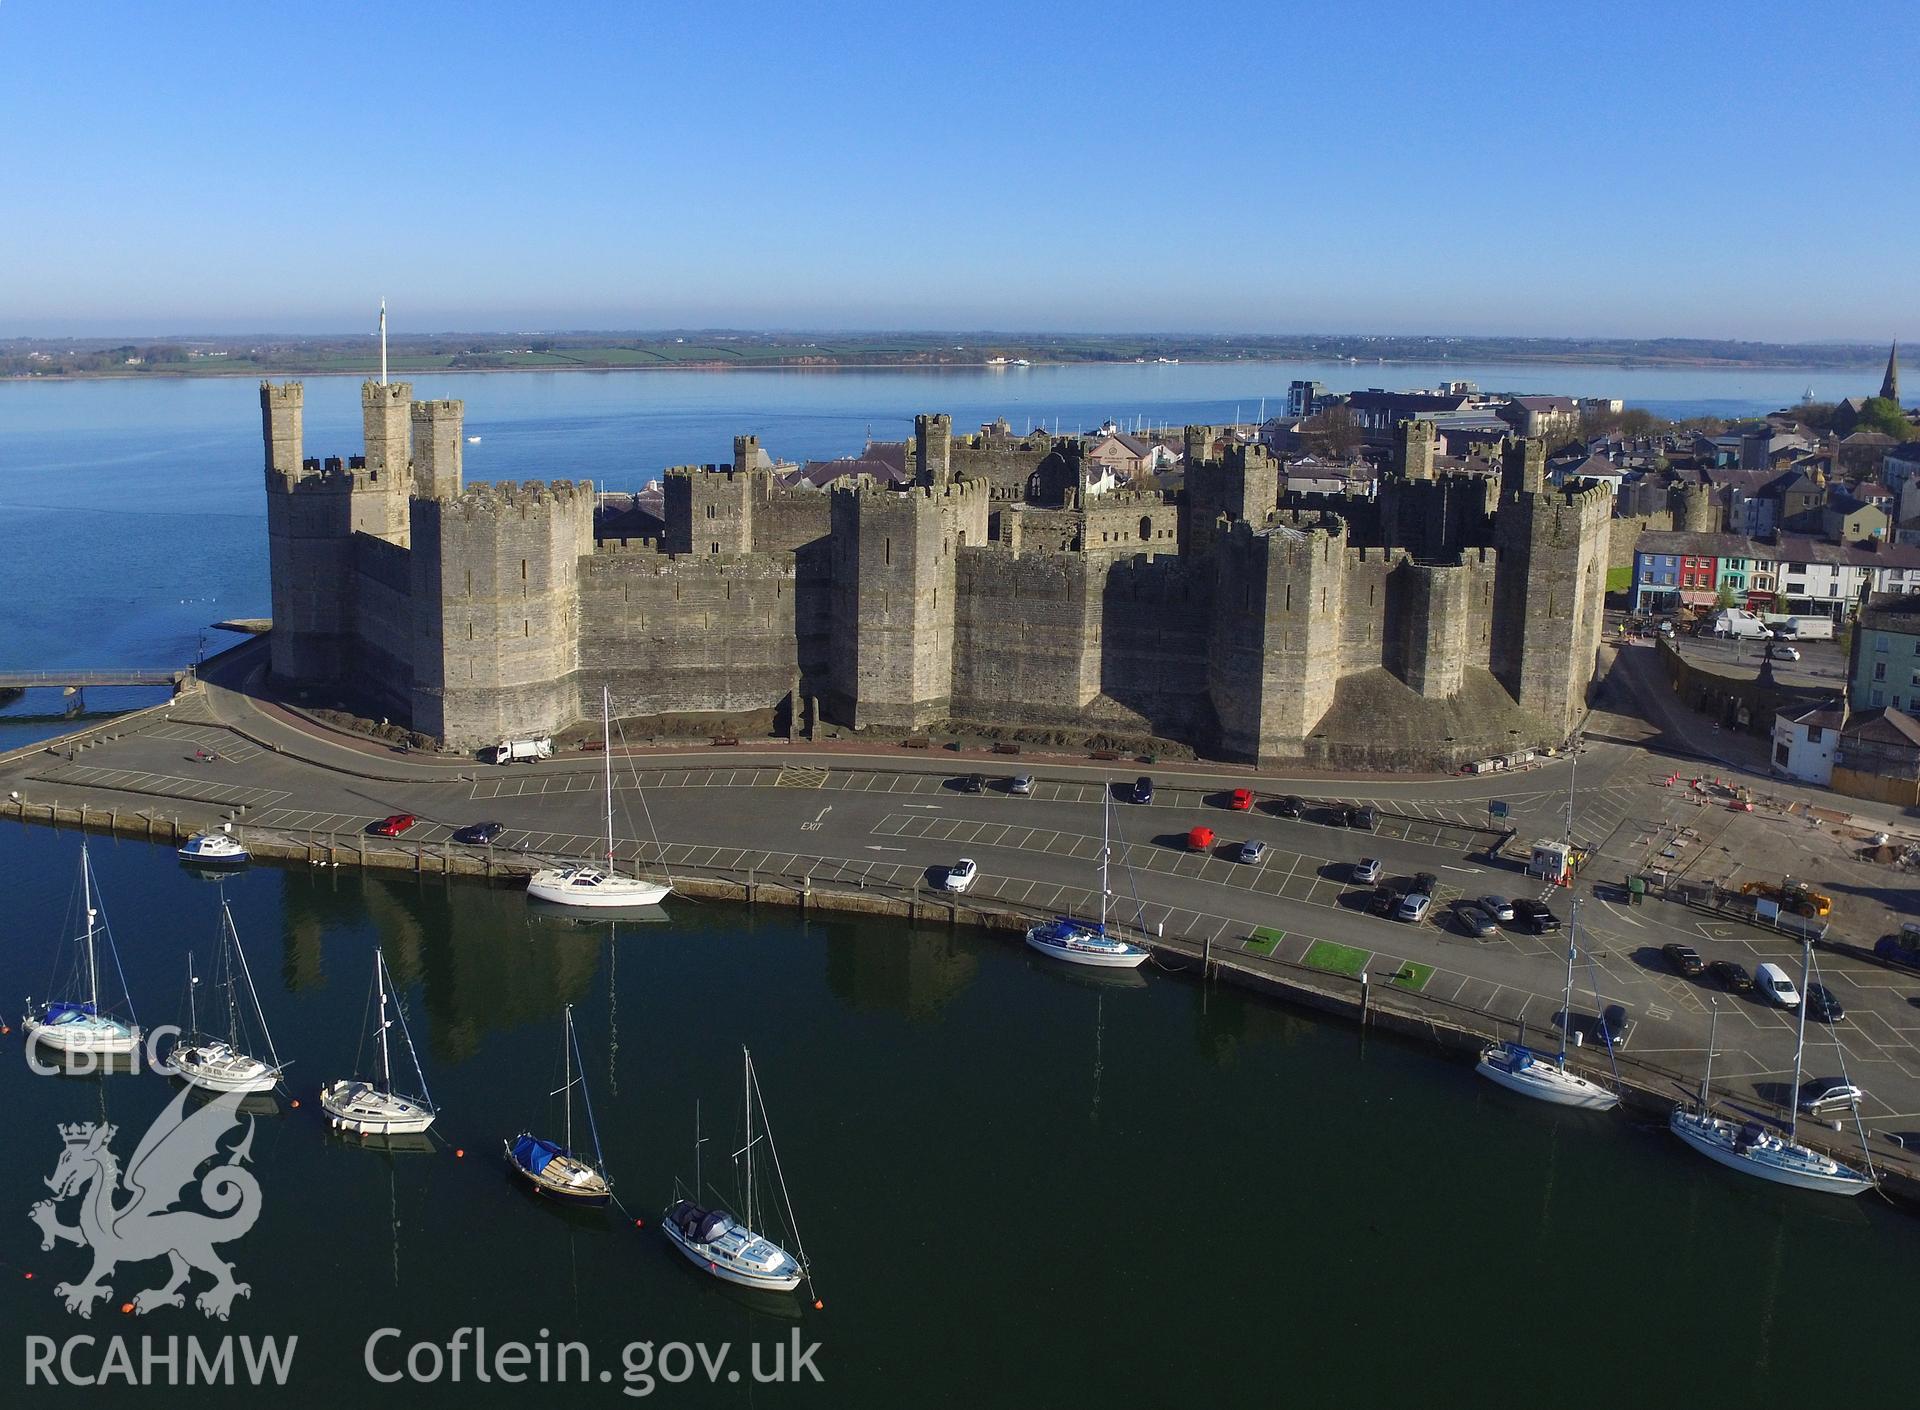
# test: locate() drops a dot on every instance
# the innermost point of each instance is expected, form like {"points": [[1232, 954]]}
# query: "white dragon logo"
{"points": [[148, 1226]]}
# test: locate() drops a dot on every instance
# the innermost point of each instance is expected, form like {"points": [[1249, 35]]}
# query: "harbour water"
{"points": [[1019, 1186]]}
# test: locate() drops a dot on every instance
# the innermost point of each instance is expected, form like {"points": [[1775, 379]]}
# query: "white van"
{"points": [[1772, 981]]}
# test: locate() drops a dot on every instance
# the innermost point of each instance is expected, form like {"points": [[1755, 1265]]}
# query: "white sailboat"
{"points": [[1752, 1149], [590, 884], [81, 1025], [552, 1168], [1087, 942], [373, 1108], [728, 1248], [1520, 1069], [225, 1064]]}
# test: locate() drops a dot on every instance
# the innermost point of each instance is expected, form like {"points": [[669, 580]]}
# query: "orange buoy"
{"points": [[26, 1275], [818, 1305], [126, 1307], [639, 1223], [459, 1153], [296, 1103]]}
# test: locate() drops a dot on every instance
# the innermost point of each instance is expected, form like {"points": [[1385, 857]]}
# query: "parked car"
{"points": [[1731, 975], [478, 834], [1822, 1007], [1611, 1029], [1200, 839], [1240, 800], [1366, 816], [1780, 651], [1413, 907], [1287, 807], [1252, 850], [1684, 959], [1499, 907], [1472, 920], [1824, 1094], [1384, 901], [961, 874], [392, 825], [1142, 790], [1021, 786], [1426, 882], [974, 783], [1534, 917], [1772, 981], [1366, 871]]}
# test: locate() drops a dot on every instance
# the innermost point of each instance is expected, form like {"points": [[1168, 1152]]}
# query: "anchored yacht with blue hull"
{"points": [[1087, 942]]}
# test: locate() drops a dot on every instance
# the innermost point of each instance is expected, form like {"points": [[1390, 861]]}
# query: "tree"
{"points": [[1725, 599], [1884, 414], [1332, 434]]}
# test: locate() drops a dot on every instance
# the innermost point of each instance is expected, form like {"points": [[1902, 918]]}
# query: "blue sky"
{"points": [[1642, 170]]}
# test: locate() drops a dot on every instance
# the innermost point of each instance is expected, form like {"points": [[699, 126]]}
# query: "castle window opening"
{"points": [[1146, 528], [710, 511], [887, 552], [523, 570]]}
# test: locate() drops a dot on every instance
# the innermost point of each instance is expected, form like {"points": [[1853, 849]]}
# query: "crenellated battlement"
{"points": [[522, 498]]}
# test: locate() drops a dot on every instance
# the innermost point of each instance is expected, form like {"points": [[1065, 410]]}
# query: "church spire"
{"points": [[1890, 384]]}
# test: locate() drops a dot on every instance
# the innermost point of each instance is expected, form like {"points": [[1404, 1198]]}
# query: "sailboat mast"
{"points": [[380, 983], [1800, 1041], [1106, 851], [566, 1067], [1566, 1004], [93, 969], [746, 1081], [246, 971], [193, 1015], [606, 748], [1706, 1079]]}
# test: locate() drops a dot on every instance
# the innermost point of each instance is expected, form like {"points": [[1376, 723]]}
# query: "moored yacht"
{"points": [[79, 1025], [1546, 1077], [1088, 942], [371, 1107], [593, 884], [213, 849]]}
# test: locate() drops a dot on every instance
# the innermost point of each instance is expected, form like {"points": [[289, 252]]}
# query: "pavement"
{"points": [[860, 814]]}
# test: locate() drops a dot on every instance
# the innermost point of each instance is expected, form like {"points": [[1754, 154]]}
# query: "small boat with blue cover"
{"points": [[552, 1168]]}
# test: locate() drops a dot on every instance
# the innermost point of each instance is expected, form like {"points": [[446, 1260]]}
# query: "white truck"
{"points": [[1733, 622], [520, 751], [1804, 628]]}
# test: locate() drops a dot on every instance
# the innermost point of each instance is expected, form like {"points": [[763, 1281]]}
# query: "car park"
{"points": [[1684, 960], [974, 783], [1240, 800], [1822, 1006], [1413, 907], [1534, 917], [1472, 920], [1499, 907], [1366, 817], [1731, 976], [392, 825], [1251, 851], [1021, 785], [1819, 1095], [478, 834], [1142, 790], [1287, 807], [1771, 981], [1200, 839], [1366, 871], [961, 874]]}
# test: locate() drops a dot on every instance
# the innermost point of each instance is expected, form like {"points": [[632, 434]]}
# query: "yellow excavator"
{"points": [[1796, 896]]}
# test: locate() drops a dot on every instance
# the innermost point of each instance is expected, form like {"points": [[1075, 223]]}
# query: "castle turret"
{"points": [[1242, 485], [1274, 655], [1414, 444], [1693, 509], [711, 511], [496, 596], [1548, 594], [893, 598], [384, 413], [436, 432], [932, 449], [1431, 655], [747, 454], [1523, 466], [281, 412]]}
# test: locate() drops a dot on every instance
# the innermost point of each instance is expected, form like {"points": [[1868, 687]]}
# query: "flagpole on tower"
{"points": [[383, 342]]}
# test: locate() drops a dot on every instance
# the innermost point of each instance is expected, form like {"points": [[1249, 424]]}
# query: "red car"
{"points": [[1200, 839], [392, 826], [1241, 801]]}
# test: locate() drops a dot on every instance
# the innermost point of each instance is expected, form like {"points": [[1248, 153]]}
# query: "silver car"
{"points": [[1366, 871], [1826, 1094], [1413, 907], [1021, 786], [1499, 907]]}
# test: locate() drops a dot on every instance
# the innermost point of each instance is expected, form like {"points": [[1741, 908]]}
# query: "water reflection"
{"points": [[888, 969]]}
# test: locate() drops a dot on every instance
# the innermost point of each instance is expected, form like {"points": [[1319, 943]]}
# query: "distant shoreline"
{"points": [[1674, 364]]}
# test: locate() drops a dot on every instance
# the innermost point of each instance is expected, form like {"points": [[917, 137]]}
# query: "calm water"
{"points": [[1018, 1188], [131, 512]]}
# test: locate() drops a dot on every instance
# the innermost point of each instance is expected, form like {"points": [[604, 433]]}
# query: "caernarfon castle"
{"points": [[1444, 618]]}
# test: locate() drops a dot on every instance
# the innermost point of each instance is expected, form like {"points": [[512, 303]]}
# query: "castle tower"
{"points": [[1890, 384], [1243, 485], [932, 449], [892, 652], [1523, 466], [711, 511], [1274, 649], [436, 432], [495, 584], [281, 413], [747, 454], [1432, 653], [387, 427], [1693, 509], [1549, 590], [1415, 441]]}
